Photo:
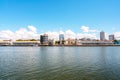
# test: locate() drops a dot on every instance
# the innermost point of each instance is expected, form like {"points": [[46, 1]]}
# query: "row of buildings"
{"points": [[55, 43], [102, 36], [44, 40]]}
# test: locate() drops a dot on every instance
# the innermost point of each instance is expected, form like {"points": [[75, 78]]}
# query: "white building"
{"points": [[96, 42]]}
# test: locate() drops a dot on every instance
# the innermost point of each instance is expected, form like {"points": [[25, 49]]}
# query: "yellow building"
{"points": [[5, 43], [70, 42]]}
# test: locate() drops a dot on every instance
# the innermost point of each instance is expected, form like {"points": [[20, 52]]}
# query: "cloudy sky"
{"points": [[27, 19]]}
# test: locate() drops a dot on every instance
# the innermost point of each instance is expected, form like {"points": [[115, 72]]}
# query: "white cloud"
{"points": [[70, 34], [117, 35], [22, 33], [31, 33], [32, 28], [61, 32], [91, 36], [7, 34], [53, 35], [87, 29]]}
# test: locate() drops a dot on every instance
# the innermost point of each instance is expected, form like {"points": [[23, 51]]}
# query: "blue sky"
{"points": [[55, 15]]}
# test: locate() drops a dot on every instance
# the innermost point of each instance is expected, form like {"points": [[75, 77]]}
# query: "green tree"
{"points": [[116, 42]]}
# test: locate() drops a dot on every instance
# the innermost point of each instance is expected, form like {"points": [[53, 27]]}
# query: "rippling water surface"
{"points": [[59, 63]]}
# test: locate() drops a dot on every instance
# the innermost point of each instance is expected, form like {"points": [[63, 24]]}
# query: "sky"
{"points": [[23, 19]]}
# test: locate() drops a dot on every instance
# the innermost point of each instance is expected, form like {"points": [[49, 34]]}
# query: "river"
{"points": [[60, 63]]}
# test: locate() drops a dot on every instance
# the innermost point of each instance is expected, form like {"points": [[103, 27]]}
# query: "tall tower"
{"points": [[102, 35], [61, 38]]}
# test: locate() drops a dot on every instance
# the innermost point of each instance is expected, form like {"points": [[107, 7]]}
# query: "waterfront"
{"points": [[60, 63]]}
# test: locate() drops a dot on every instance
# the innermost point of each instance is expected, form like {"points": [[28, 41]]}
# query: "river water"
{"points": [[59, 63]]}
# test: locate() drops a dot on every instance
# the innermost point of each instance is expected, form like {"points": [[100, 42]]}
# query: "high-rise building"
{"points": [[61, 38], [111, 37], [102, 35], [44, 39]]}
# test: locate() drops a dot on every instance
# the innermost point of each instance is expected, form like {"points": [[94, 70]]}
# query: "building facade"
{"points": [[61, 39], [97, 43], [25, 43], [102, 35], [70, 42], [44, 39], [5, 42], [111, 37]]}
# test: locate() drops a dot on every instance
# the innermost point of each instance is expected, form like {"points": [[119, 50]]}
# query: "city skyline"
{"points": [[75, 18]]}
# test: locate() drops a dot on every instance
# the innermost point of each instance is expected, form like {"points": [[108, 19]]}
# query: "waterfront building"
{"points": [[51, 42], [96, 42], [25, 43], [44, 39], [61, 39], [111, 37], [70, 42], [102, 35], [5, 42], [77, 42]]}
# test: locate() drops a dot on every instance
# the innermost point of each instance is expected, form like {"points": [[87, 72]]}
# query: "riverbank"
{"points": [[59, 45]]}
